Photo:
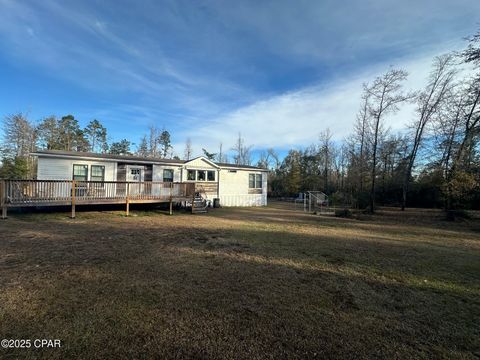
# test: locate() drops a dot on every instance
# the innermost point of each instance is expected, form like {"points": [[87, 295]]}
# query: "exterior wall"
{"points": [[62, 169], [157, 175], [210, 188], [230, 185], [199, 164], [234, 190], [158, 172]]}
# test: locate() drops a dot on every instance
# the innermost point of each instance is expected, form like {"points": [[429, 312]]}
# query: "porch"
{"points": [[22, 193]]}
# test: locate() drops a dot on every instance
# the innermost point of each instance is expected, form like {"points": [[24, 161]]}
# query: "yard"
{"points": [[244, 283]]}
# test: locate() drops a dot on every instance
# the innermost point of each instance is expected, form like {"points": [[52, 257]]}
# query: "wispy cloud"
{"points": [[88, 51], [276, 71], [295, 119]]}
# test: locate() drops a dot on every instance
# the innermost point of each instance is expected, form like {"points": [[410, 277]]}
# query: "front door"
{"points": [[135, 175]]}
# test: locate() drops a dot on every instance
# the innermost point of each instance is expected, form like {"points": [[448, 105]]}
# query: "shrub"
{"points": [[453, 215], [344, 213]]}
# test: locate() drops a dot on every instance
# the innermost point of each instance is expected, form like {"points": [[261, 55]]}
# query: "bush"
{"points": [[453, 215], [344, 213]]}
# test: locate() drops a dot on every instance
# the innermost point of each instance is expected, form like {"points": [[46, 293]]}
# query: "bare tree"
{"points": [[188, 150], [242, 152], [274, 158], [472, 101], [447, 128], [153, 143], [19, 135], [385, 96], [142, 149], [326, 157], [269, 159], [19, 140], [463, 131], [439, 84], [362, 137], [263, 160], [221, 156]]}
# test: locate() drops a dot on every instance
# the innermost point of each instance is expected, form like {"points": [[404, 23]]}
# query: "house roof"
{"points": [[130, 158], [227, 165]]}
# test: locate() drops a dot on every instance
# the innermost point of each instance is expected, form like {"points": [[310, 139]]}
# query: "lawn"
{"points": [[256, 283]]}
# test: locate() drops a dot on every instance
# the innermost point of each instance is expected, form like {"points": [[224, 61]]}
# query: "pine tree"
{"points": [[165, 143]]}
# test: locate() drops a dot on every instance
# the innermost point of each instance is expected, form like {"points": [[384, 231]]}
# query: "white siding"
{"points": [[158, 172], [243, 200], [62, 169], [234, 190], [199, 164], [210, 188], [233, 187]]}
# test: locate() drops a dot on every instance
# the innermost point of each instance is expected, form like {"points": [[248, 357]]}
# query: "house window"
{"points": [[258, 181], [255, 181], [167, 175], [80, 172], [211, 175], [201, 175], [251, 181], [97, 173], [191, 175]]}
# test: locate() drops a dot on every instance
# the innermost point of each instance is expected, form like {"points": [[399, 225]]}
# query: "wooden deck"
{"points": [[21, 193]]}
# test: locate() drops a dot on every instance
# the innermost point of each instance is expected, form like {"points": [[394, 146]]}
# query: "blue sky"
{"points": [[279, 72]]}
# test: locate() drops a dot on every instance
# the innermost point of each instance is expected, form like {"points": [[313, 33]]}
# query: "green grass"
{"points": [[244, 283]]}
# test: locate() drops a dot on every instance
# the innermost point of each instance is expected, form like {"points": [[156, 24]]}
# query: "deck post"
{"points": [[73, 199], [171, 198], [127, 200], [193, 197], [3, 197]]}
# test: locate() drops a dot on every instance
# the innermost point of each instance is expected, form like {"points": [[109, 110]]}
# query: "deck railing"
{"points": [[18, 193]]}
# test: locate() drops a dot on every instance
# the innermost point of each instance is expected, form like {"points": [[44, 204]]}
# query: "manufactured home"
{"points": [[76, 178], [234, 185]]}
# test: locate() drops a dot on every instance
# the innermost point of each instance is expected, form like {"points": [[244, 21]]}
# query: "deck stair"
{"points": [[200, 201], [199, 204]]}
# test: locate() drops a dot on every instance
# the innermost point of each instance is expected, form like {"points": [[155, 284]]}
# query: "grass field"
{"points": [[241, 284]]}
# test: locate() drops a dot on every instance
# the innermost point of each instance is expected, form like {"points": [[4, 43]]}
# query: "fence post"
{"points": [[127, 200], [304, 202], [73, 199], [309, 202], [3, 198]]}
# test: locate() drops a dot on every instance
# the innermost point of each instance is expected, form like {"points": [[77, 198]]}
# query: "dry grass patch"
{"points": [[241, 283]]}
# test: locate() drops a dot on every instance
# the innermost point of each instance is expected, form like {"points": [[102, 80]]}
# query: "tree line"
{"points": [[434, 163], [22, 136]]}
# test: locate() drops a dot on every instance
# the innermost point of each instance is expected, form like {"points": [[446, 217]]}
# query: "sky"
{"points": [[278, 72]]}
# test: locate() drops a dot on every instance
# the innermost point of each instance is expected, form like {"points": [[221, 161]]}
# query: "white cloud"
{"points": [[295, 119], [186, 67]]}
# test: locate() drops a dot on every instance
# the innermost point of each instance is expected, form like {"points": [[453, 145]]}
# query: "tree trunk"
{"points": [[374, 167], [404, 196]]}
